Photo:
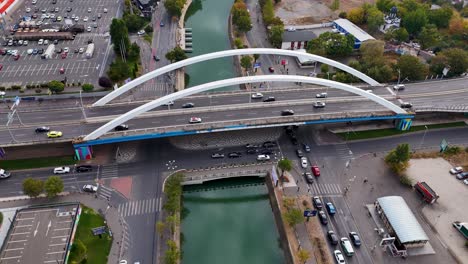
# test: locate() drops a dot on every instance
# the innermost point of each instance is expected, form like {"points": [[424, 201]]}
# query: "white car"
{"points": [[52, 16], [369, 91], [34, 2], [263, 157], [141, 32], [89, 10], [28, 10], [339, 257], [105, 10], [291, 29], [304, 162], [169, 103], [90, 188], [46, 42], [77, 18], [321, 95], [29, 51], [61, 170], [47, 15], [40, 42], [4, 174], [257, 95], [85, 19], [88, 29], [465, 181], [66, 50], [399, 87], [81, 50], [194, 120], [456, 170]]}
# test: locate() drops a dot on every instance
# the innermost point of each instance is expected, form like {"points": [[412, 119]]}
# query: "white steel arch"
{"points": [[227, 53], [234, 81]]}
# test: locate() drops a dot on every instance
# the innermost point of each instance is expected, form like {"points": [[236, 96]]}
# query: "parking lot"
{"points": [[31, 69], [39, 235]]}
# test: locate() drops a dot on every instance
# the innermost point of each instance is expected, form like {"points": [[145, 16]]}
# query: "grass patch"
{"points": [[148, 38], [393, 131], [21, 164], [97, 249]]}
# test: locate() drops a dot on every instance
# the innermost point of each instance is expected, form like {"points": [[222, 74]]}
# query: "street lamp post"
{"points": [[424, 135], [82, 108]]}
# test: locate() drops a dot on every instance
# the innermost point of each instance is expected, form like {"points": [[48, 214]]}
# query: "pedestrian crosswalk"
{"points": [[343, 151], [139, 207], [324, 188], [109, 171], [105, 192]]}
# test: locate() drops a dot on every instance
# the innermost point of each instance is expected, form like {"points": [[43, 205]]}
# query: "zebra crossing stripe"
{"points": [[139, 207]]}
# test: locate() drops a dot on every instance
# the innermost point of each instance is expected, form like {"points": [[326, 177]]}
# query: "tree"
{"points": [[440, 17], [119, 36], [53, 186], [412, 68], [356, 15], [87, 87], [438, 63], [397, 159], [160, 227], [284, 165], [56, 86], [177, 54], [174, 7], [324, 68], [256, 56], [244, 24], [238, 43], [331, 44], [385, 5], [414, 21], [246, 62], [134, 51], [429, 36], [33, 187], [457, 60], [293, 217], [375, 19], [148, 29], [401, 34], [172, 253], [372, 52], [303, 255], [105, 82], [79, 251], [276, 35], [458, 26], [133, 22], [118, 70]]}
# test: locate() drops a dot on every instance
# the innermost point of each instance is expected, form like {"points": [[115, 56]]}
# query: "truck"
{"points": [[49, 52], [427, 193], [89, 50], [462, 227]]}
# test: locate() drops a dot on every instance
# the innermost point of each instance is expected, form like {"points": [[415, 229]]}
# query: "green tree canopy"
{"points": [[356, 15], [246, 62], [293, 217], [174, 7], [457, 60], [372, 52], [172, 255], [401, 35], [56, 86], [440, 17], [244, 24], [429, 36], [134, 51], [133, 22], [385, 5], [303, 255], [397, 159], [284, 165], [375, 18], [53, 186], [87, 87], [331, 44], [119, 36], [276, 35], [414, 21], [177, 54], [412, 68], [118, 70], [33, 187], [79, 250]]}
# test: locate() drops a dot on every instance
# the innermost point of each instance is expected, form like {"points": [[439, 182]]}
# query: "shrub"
{"points": [[452, 150], [2, 88], [148, 29], [38, 90], [87, 87], [16, 87], [56, 86], [44, 85], [343, 14], [405, 180], [22, 90]]}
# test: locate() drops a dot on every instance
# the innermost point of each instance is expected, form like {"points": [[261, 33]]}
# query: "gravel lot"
{"points": [[453, 196]]}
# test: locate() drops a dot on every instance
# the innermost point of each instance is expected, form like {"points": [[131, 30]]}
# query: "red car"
{"points": [[64, 55], [62, 70], [16, 57], [315, 170]]}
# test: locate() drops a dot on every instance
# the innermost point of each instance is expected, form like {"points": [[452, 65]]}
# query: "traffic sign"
{"points": [[443, 145], [310, 213], [257, 65]]}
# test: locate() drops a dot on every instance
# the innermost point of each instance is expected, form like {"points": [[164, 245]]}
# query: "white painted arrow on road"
{"points": [[48, 227], [35, 231]]}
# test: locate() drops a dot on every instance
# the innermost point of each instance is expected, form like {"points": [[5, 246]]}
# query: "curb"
{"points": [[25, 197]]}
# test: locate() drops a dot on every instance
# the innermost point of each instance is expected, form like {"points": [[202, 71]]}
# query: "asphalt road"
{"points": [[31, 69]]}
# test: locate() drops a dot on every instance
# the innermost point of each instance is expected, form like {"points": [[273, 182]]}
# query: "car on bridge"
{"points": [[257, 96], [90, 188], [399, 87], [61, 170], [217, 156], [463, 175], [319, 104], [287, 112], [269, 99], [299, 153], [169, 103], [195, 120], [54, 134], [121, 127], [42, 129], [321, 95], [406, 105], [188, 105], [355, 239]]}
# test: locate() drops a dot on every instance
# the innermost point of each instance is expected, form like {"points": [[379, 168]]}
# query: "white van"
{"points": [[347, 247]]}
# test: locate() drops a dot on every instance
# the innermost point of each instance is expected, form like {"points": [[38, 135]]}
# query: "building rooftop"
{"points": [[354, 30], [402, 220], [298, 35]]}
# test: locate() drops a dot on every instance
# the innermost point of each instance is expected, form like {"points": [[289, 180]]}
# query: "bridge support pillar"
{"points": [[83, 153], [403, 124]]}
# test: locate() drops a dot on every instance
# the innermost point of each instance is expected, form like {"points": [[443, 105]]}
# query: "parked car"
{"points": [[83, 168], [121, 127], [217, 156], [308, 177], [263, 157], [269, 144], [332, 237], [141, 32], [287, 112], [271, 69], [339, 257], [323, 217], [42, 129], [355, 238], [61, 170], [257, 96], [456, 170], [330, 208], [463, 175], [90, 188], [269, 99], [299, 153], [315, 170], [235, 155], [195, 120], [317, 202], [54, 134], [304, 162]]}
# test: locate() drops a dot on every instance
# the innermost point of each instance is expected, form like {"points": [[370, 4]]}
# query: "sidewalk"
{"points": [[113, 219]]}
